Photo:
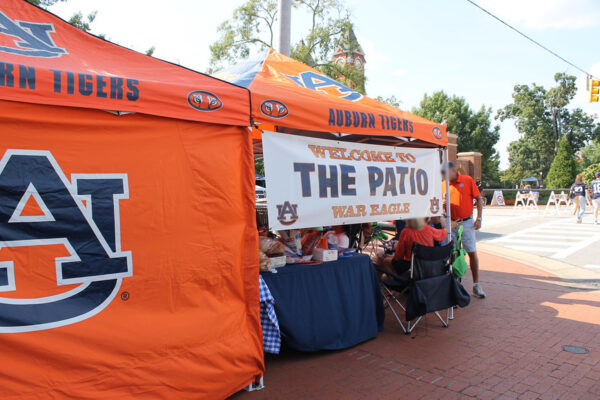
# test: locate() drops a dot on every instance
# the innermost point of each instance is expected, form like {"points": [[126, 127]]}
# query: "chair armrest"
{"points": [[392, 274]]}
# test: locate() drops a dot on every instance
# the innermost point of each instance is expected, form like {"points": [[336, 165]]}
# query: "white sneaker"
{"points": [[478, 291], [578, 220], [597, 222]]}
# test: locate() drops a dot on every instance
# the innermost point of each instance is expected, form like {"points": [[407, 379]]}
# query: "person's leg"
{"points": [[474, 264], [581, 209], [400, 266], [469, 243], [596, 203]]}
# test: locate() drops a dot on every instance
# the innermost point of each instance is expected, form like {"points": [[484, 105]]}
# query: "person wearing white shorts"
{"points": [[463, 192], [595, 189], [469, 242]]}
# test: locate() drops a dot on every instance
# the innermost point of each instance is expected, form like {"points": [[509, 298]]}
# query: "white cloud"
{"points": [[546, 14]]}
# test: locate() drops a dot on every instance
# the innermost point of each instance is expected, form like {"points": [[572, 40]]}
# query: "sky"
{"points": [[412, 47]]}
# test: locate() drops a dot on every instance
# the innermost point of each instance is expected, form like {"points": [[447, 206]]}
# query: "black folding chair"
{"points": [[354, 233], [429, 286]]}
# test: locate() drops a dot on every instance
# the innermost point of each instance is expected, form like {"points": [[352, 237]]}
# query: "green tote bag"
{"points": [[459, 265]]}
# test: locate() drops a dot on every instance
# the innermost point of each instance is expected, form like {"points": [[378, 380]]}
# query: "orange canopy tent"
{"points": [[291, 97], [128, 262], [287, 93]]}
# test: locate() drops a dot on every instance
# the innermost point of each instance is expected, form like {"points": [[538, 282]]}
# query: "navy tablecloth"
{"points": [[333, 305]]}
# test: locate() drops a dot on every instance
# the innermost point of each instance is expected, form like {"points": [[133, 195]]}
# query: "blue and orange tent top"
{"points": [[45, 60], [290, 94]]}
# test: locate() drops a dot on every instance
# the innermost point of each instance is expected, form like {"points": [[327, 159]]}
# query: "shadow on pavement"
{"points": [[509, 343]]}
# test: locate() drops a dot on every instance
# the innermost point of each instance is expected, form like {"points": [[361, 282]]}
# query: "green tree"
{"points": [[83, 22], [392, 100], [591, 154], [525, 159], [44, 3], [259, 166], [252, 28], [563, 169], [473, 128], [588, 173], [512, 176], [78, 19], [542, 117]]}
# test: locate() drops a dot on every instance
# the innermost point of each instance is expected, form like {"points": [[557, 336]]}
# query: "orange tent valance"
{"points": [[288, 93]]}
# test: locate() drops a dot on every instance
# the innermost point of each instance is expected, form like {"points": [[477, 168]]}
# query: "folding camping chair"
{"points": [[429, 286]]}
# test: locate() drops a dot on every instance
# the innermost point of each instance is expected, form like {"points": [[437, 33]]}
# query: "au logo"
{"points": [[437, 133], [90, 233], [30, 39], [204, 101], [287, 213], [321, 83], [434, 205], [274, 108]]}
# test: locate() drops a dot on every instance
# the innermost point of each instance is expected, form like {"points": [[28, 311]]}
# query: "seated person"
{"points": [[400, 225], [437, 223], [342, 237], [416, 231]]}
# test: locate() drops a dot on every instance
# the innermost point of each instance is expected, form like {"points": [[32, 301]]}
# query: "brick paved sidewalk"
{"points": [[508, 346]]}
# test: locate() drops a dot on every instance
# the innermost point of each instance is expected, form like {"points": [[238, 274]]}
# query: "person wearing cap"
{"points": [[595, 189], [463, 192], [579, 191]]}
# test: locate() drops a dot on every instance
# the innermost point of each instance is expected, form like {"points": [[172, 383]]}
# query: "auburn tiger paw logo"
{"points": [[204, 101], [437, 133], [434, 206], [287, 213], [274, 109], [41, 208]]}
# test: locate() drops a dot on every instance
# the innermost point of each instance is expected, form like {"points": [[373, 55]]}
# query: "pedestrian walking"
{"points": [[463, 193], [578, 192], [595, 189]]}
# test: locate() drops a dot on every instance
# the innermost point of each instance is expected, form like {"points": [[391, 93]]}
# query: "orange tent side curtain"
{"points": [[164, 303], [286, 92], [45, 60]]}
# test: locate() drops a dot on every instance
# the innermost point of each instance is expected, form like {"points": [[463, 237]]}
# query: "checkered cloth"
{"points": [[268, 319]]}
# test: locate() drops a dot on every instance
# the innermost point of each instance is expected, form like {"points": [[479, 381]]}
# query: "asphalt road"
{"points": [[549, 235]]}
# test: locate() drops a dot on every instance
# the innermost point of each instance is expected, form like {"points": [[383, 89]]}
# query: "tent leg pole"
{"points": [[260, 384], [447, 174]]}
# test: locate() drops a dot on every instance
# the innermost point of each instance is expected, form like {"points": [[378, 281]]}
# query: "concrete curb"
{"points": [[571, 275]]}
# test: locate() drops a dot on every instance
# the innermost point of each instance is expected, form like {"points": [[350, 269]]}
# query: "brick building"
{"points": [[468, 163]]}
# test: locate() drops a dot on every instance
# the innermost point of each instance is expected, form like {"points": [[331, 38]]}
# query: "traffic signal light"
{"points": [[594, 88]]}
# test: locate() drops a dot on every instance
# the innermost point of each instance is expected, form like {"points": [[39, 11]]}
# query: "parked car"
{"points": [[261, 194]]}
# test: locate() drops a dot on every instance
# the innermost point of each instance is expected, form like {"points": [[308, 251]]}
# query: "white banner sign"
{"points": [[316, 182]]}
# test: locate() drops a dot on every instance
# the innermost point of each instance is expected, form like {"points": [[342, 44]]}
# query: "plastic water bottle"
{"points": [[332, 241], [298, 242]]}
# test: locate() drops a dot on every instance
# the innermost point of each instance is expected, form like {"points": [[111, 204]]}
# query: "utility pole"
{"points": [[285, 29]]}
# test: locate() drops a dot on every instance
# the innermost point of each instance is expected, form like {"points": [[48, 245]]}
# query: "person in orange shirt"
{"points": [[416, 231], [463, 192]]}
